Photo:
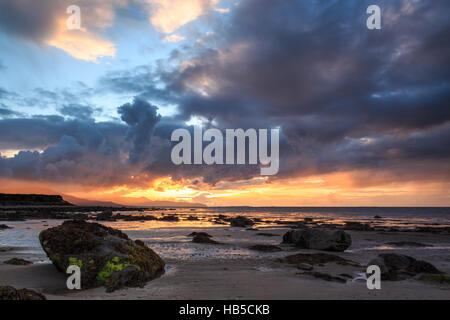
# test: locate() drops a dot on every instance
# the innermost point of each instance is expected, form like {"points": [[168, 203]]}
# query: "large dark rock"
{"points": [[241, 221], [4, 227], [318, 239], [399, 267], [106, 256], [10, 293]]}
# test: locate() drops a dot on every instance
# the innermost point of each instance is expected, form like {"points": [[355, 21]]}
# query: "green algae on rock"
{"points": [[10, 293], [105, 256]]}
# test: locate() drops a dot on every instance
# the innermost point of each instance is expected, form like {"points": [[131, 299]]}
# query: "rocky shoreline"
{"points": [[288, 252]]}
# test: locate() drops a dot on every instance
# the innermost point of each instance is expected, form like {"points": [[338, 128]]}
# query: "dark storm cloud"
{"points": [[345, 97], [141, 117]]}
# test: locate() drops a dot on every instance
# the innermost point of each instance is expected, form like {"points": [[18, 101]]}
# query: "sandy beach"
{"points": [[230, 270]]}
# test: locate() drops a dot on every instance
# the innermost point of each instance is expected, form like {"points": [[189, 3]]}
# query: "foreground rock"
{"points": [[318, 239], [106, 256], [10, 293], [400, 267], [18, 262], [241, 221]]}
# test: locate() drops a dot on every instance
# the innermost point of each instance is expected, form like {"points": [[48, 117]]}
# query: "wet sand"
{"points": [[231, 271]]}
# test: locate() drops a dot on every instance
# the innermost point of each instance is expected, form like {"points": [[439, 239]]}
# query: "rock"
{"points": [[318, 239], [18, 262], [305, 266], [241, 221], [357, 226], [192, 218], [169, 218], [265, 248], [203, 234], [105, 255], [399, 267], [202, 238], [378, 217], [266, 234], [408, 244], [437, 278], [252, 229], [105, 215], [316, 259], [324, 276], [4, 227], [10, 293]]}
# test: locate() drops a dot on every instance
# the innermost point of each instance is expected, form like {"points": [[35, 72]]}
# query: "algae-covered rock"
{"points": [[106, 256], [10, 293]]}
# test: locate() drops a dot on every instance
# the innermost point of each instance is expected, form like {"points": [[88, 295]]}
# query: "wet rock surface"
{"points": [[106, 256]]}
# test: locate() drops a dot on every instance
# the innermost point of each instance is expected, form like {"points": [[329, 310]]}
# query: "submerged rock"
{"points": [[4, 227], [408, 244], [318, 239], [316, 259], [265, 248], [106, 256], [202, 237], [357, 226], [18, 262], [324, 276], [169, 218], [264, 234], [10, 293], [193, 234], [399, 267], [241, 221]]}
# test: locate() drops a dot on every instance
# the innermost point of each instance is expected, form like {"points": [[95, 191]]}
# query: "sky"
{"points": [[364, 115]]}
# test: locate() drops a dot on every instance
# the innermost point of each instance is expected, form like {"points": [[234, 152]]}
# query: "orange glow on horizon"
{"points": [[335, 189]]}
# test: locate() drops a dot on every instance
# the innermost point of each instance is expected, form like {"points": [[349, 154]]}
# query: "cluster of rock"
{"points": [[106, 256]]}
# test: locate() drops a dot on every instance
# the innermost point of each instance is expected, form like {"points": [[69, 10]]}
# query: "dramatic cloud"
{"points": [[346, 99]]}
